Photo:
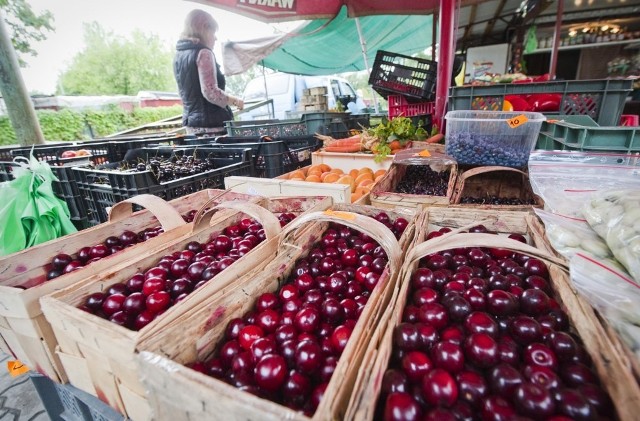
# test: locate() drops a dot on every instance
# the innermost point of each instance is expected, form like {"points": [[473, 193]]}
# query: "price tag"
{"points": [[16, 368], [342, 215], [517, 121], [425, 153]]}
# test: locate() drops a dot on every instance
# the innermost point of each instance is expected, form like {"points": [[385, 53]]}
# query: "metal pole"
{"points": [[19, 106], [556, 40], [446, 53], [363, 46]]}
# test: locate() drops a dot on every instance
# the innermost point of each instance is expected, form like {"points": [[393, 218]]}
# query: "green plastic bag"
{"points": [[30, 213]]}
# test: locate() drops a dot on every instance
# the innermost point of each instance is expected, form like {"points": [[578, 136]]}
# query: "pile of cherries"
{"points": [[481, 339], [64, 263], [287, 347], [139, 300], [421, 179]]}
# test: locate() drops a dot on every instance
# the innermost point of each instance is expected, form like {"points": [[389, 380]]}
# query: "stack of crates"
{"points": [[315, 99]]}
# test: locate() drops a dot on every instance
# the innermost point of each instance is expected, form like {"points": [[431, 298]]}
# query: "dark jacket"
{"points": [[197, 111]]}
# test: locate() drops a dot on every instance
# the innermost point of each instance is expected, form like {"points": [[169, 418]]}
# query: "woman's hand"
{"points": [[236, 102]]}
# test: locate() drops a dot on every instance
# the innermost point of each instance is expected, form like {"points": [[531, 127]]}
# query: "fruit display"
{"points": [[361, 180], [482, 337], [494, 186], [422, 180], [144, 296], [615, 216], [286, 342]]}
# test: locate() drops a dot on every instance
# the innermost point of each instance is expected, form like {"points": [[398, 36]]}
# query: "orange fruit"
{"points": [[296, 179], [365, 170], [337, 171], [353, 173], [297, 174], [347, 179], [316, 173], [378, 178], [313, 178], [330, 177], [362, 177], [325, 167], [362, 190], [379, 173], [366, 183], [314, 168], [355, 196]]}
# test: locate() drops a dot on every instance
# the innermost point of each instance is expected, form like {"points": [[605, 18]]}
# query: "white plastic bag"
{"points": [[615, 216], [612, 292], [572, 235], [566, 180]]}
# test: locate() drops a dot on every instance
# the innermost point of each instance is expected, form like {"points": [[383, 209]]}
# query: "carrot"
{"points": [[349, 141], [356, 147], [435, 138]]}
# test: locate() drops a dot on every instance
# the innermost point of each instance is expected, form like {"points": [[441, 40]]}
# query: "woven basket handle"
{"points": [[365, 224], [269, 222], [167, 215], [481, 240]]}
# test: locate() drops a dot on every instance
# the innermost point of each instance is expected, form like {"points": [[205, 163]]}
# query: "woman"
{"points": [[200, 81]]}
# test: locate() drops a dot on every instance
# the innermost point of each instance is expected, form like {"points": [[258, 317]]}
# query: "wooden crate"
{"points": [[320, 90], [314, 99], [178, 392], [611, 365], [274, 187], [98, 355], [384, 193], [23, 328], [490, 181]]}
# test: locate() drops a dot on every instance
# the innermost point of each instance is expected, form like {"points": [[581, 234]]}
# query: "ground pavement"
{"points": [[19, 400]]}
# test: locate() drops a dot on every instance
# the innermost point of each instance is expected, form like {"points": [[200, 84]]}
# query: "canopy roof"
{"points": [[324, 47]]}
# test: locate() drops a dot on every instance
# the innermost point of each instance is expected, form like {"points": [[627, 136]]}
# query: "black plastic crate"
{"points": [[65, 402], [6, 170], [413, 77], [102, 188], [100, 152], [274, 156], [5, 153], [123, 144]]}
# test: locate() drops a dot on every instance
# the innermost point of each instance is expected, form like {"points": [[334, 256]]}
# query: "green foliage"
{"points": [[68, 125], [114, 65], [401, 129], [25, 26]]}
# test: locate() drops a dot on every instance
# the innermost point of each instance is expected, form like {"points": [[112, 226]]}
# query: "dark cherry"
{"points": [[476, 299], [453, 333], [296, 388], [439, 388], [481, 322], [425, 295], [576, 374], [158, 301], [268, 320], [448, 356], [307, 319], [113, 304], [503, 380], [60, 261], [423, 278], [427, 336], [270, 372], [562, 344], [534, 301], [95, 300], [339, 338], [596, 397], [308, 356], [539, 354], [525, 330], [533, 400], [542, 376], [144, 319], [328, 367], [268, 300], [472, 387], [248, 335], [501, 303], [482, 350], [406, 336], [135, 303], [233, 328], [415, 365], [536, 267], [261, 347], [434, 314], [394, 381], [242, 362], [401, 407]]}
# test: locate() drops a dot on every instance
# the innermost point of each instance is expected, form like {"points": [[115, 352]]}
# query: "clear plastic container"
{"points": [[492, 137]]}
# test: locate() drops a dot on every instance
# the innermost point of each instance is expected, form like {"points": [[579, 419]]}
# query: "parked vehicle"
{"points": [[286, 91]]}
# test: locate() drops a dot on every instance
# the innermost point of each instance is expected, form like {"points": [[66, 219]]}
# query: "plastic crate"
{"points": [[399, 106], [581, 133], [102, 188], [66, 402], [307, 124], [5, 153], [273, 156], [101, 152], [6, 170], [602, 99], [123, 144], [394, 74]]}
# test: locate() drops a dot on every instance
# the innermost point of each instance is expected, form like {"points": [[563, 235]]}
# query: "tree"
{"points": [[25, 26], [114, 65]]}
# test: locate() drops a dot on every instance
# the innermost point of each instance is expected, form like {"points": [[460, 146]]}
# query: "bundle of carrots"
{"points": [[349, 144]]}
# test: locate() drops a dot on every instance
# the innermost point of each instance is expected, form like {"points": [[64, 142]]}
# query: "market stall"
{"points": [[327, 267]]}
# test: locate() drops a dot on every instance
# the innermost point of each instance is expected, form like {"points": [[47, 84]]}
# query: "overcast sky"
{"points": [[161, 17]]}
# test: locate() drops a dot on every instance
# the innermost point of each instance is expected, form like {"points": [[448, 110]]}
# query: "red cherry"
{"points": [[113, 304], [308, 355], [153, 284], [481, 350], [472, 387], [401, 407], [415, 365], [539, 354], [448, 356], [158, 301], [339, 338], [248, 335], [270, 372], [534, 401], [439, 388]]}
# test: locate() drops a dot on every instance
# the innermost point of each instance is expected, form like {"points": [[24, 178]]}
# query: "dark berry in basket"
{"points": [[422, 180], [482, 149], [494, 200]]}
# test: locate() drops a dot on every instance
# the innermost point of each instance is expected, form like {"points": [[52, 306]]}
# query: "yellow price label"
{"points": [[16, 368], [347, 216], [517, 121], [425, 153]]}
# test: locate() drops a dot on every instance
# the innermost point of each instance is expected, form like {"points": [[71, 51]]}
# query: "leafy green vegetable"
{"points": [[401, 129]]}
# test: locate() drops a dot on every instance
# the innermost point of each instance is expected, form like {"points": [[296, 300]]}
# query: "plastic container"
{"points": [[394, 74], [100, 152], [601, 99], [581, 133], [102, 189], [492, 137]]}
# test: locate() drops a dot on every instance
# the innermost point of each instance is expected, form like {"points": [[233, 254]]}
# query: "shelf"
{"points": [[629, 42]]}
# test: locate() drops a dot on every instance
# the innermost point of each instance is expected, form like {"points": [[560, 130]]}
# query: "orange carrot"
{"points": [[354, 140]]}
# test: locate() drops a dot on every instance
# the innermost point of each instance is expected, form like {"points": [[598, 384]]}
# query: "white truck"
{"points": [[286, 90]]}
